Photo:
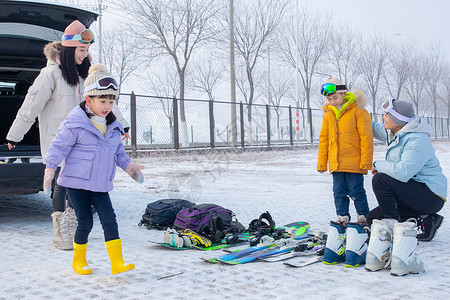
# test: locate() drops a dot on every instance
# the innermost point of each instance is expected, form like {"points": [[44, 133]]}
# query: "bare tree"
{"points": [[310, 46], [166, 86], [446, 93], [176, 28], [205, 75], [276, 91], [373, 60], [401, 63], [414, 85], [342, 56], [435, 70], [122, 54], [254, 24]]}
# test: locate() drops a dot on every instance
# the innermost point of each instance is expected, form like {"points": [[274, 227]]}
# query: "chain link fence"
{"points": [[159, 123]]}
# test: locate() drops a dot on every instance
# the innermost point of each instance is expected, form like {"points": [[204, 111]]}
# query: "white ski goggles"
{"points": [[103, 84], [389, 108]]}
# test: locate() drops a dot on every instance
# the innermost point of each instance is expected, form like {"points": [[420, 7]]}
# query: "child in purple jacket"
{"points": [[89, 145]]}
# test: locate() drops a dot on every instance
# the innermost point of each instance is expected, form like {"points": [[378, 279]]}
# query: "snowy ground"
{"points": [[284, 183]]}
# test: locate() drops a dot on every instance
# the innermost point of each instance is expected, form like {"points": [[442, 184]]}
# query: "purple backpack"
{"points": [[209, 220]]}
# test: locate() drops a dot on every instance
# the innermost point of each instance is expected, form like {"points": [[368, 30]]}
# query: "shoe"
{"points": [[61, 234], [380, 245], [428, 227], [357, 240], [335, 246], [196, 238], [114, 248], [404, 259], [79, 263]]}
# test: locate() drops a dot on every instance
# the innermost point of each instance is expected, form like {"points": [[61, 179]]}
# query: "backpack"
{"points": [[161, 213], [209, 220]]}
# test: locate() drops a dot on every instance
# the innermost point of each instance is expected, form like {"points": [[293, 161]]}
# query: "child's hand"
{"points": [[49, 174], [134, 171], [374, 171], [321, 171]]}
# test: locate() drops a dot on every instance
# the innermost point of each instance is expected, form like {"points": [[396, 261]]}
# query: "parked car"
{"points": [[25, 28]]}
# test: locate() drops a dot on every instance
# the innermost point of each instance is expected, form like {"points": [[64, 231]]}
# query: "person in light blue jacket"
{"points": [[89, 145], [410, 182]]}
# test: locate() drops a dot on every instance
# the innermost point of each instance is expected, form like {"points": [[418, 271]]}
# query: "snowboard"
{"points": [[292, 254], [304, 262]]}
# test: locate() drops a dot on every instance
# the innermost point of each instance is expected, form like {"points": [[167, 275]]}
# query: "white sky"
{"points": [[426, 22]]}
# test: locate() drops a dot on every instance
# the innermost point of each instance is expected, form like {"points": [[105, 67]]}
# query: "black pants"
{"points": [[59, 195], [82, 202], [399, 200]]}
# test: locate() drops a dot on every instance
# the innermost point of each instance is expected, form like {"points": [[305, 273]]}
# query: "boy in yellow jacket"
{"points": [[346, 144]]}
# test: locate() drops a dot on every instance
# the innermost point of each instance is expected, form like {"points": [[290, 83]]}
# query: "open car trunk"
{"points": [[25, 28]]}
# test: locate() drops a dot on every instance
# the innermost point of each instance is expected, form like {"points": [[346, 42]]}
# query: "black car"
{"points": [[25, 28]]}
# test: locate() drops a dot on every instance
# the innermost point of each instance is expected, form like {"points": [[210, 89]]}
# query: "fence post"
{"points": [[133, 122], [211, 123], [291, 138], [176, 141], [241, 108], [268, 124]]}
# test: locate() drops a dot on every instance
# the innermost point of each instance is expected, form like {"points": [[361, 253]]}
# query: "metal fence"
{"points": [[157, 123]]}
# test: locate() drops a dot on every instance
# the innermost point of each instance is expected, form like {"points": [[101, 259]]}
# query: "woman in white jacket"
{"points": [[56, 91]]}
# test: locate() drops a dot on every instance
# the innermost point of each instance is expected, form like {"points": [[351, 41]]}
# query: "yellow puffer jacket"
{"points": [[346, 140]]}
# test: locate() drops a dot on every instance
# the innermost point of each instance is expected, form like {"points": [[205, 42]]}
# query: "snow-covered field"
{"points": [[284, 183]]}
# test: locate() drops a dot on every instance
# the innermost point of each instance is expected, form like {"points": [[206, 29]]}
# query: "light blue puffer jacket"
{"points": [[410, 155]]}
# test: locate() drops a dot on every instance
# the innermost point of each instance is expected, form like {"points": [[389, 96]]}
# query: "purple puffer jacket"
{"points": [[90, 158]]}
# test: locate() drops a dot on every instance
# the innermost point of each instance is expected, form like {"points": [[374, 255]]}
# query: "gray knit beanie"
{"points": [[404, 108]]}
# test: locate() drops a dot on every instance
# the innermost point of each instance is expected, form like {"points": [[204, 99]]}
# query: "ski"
{"points": [[304, 262]]}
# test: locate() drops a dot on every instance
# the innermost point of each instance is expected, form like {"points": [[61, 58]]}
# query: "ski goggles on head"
{"points": [[103, 84], [330, 88], [388, 107], [85, 37]]}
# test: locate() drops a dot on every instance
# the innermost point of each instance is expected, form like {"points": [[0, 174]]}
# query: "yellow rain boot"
{"points": [[114, 248], [79, 263]]}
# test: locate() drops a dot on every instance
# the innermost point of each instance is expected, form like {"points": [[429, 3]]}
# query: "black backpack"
{"points": [[161, 213]]}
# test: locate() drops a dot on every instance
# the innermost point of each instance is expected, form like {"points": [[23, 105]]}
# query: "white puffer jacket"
{"points": [[50, 98]]}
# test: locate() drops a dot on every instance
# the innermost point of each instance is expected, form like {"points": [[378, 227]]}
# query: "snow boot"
{"points": [[114, 248], [79, 263], [61, 235], [357, 240], [380, 245], [335, 246], [428, 226], [404, 259], [72, 218]]}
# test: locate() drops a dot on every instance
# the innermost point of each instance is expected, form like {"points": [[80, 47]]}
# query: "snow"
{"points": [[284, 183]]}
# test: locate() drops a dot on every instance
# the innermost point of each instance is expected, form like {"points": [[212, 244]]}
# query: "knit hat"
{"points": [[96, 72], [74, 28], [404, 108], [340, 88]]}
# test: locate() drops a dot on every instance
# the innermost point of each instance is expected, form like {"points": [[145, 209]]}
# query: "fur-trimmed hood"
{"points": [[360, 99], [51, 51]]}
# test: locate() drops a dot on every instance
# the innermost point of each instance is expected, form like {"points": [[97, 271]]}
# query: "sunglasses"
{"points": [[85, 37], [103, 84], [389, 108], [330, 88]]}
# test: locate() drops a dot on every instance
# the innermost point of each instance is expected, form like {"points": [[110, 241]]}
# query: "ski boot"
{"points": [[335, 246], [380, 245], [356, 244], [404, 259]]}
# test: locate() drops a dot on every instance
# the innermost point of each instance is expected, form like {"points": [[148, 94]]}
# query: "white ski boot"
{"points": [[380, 245], [404, 259], [356, 244], [335, 246]]}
